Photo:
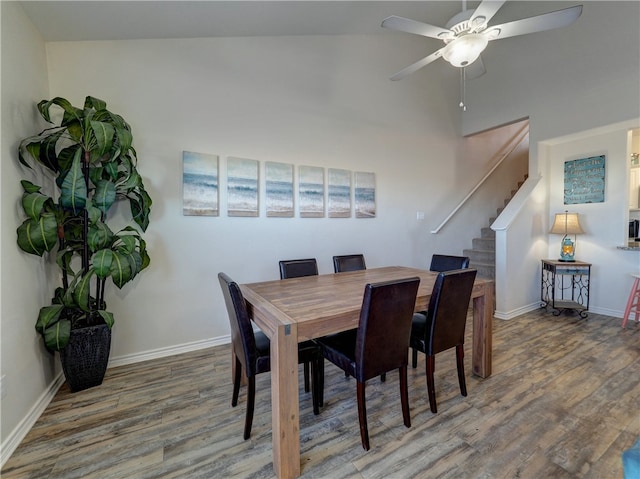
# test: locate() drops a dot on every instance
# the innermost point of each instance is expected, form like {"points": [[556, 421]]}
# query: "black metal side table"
{"points": [[565, 286]]}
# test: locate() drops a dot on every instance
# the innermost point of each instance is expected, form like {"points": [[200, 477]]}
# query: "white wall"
{"points": [[27, 370], [568, 81], [321, 101]]}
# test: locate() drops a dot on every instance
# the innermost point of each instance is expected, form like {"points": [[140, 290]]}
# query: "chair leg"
{"points": [[460, 363], [306, 377], [633, 303], [414, 358], [383, 377], [404, 396], [431, 386], [315, 386], [236, 383], [251, 400], [321, 382], [362, 416]]}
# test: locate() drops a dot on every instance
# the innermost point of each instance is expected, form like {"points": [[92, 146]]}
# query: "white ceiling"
{"points": [[120, 20]]}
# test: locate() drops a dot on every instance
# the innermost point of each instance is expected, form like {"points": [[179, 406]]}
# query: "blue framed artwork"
{"points": [[199, 184], [311, 191], [365, 194], [279, 189], [584, 180], [339, 182], [242, 187]]}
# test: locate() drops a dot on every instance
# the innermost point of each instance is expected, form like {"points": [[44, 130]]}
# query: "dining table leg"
{"points": [[285, 402], [482, 331]]}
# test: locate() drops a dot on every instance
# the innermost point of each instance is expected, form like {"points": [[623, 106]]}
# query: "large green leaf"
{"points": [[125, 138], [48, 151], [140, 205], [99, 236], [56, 337], [126, 243], [120, 269], [33, 204], [103, 133], [48, 315], [71, 113], [29, 187], [73, 192], [102, 262], [81, 293], [104, 195], [107, 316], [66, 156], [95, 103], [38, 236]]}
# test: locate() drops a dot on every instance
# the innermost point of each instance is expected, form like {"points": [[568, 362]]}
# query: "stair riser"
{"points": [[480, 256], [487, 233], [486, 244]]}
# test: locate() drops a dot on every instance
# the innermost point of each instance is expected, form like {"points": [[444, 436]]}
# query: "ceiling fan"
{"points": [[467, 34]]}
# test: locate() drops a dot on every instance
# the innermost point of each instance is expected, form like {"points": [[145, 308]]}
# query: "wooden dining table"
{"points": [[293, 310]]}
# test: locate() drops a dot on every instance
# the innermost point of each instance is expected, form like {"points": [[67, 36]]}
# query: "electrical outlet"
{"points": [[3, 386]]}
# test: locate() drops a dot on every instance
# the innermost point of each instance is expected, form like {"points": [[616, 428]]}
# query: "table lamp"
{"points": [[567, 224]]}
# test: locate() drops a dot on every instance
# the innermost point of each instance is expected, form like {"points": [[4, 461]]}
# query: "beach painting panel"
{"points": [[339, 182], [279, 189], [311, 191], [365, 194], [242, 187], [199, 184]]}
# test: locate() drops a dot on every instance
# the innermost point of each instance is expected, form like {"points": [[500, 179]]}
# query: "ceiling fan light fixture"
{"points": [[465, 50]]}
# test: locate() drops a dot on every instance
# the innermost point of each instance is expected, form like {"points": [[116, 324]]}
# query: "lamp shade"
{"points": [[566, 223], [465, 50]]}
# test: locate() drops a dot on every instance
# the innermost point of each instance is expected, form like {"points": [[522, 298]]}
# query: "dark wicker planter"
{"points": [[84, 360]]}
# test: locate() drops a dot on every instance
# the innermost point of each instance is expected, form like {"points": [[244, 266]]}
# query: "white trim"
{"points": [[13, 440], [516, 312], [22, 429]]}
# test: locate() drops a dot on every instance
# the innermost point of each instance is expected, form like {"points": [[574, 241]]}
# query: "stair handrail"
{"points": [[509, 147]]}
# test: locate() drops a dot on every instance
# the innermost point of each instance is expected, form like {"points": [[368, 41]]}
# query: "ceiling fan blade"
{"points": [[417, 65], [485, 12], [539, 23], [475, 70], [411, 26]]}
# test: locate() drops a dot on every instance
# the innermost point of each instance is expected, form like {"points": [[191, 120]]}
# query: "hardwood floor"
{"points": [[563, 402]]}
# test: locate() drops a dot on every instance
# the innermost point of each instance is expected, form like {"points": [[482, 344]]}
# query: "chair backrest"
{"points": [[382, 343], [242, 337], [349, 262], [443, 262], [447, 313], [296, 268]]}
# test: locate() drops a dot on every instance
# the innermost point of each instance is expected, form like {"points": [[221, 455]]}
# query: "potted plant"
{"points": [[89, 154]]}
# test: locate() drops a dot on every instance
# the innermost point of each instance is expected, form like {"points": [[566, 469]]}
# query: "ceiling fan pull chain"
{"points": [[463, 84]]}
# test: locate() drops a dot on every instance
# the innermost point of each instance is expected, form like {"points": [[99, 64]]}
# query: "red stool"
{"points": [[633, 304]]}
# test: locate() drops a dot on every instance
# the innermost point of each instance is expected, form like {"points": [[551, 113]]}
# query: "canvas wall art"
{"points": [[242, 187], [584, 180], [365, 194], [279, 189], [199, 184], [311, 191], [339, 193]]}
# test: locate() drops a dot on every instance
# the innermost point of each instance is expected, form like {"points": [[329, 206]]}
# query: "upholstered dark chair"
{"points": [[443, 262], [380, 343], [443, 326], [350, 262], [296, 268], [252, 351]]}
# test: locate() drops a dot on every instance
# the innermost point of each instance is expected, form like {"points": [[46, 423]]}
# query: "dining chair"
{"points": [[252, 351], [296, 268], [349, 262], [443, 326], [380, 343], [443, 262]]}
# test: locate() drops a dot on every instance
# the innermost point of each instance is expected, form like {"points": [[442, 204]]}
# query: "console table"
{"points": [[565, 286]]}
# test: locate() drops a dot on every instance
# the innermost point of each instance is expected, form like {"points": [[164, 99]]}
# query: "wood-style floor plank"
{"points": [[563, 402]]}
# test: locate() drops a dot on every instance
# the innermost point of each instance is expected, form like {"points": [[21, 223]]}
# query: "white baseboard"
{"points": [[11, 443], [14, 439], [516, 312]]}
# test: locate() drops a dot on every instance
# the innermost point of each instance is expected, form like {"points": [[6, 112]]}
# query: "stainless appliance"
{"points": [[634, 228]]}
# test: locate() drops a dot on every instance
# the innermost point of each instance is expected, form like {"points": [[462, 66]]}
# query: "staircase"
{"points": [[482, 254]]}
